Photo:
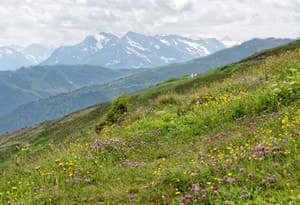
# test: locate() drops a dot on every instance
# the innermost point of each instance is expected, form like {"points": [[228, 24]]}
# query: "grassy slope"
{"points": [[232, 132]]}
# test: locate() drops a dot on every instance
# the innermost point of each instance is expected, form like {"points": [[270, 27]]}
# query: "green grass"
{"points": [[229, 136]]}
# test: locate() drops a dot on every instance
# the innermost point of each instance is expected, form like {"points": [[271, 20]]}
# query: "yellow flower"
{"points": [[177, 192]]}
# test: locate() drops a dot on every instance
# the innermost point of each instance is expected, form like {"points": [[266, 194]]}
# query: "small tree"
{"points": [[118, 107]]}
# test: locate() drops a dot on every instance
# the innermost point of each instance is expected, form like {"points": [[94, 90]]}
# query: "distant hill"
{"points": [[14, 57], [30, 84], [133, 50], [60, 105]]}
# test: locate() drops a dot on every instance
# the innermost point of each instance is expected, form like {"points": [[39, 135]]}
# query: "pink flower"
{"points": [[132, 196], [195, 188], [242, 170], [187, 197], [203, 197], [250, 175], [260, 147], [193, 174], [215, 189]]}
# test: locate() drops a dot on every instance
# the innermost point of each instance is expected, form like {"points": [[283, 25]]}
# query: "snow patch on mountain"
{"points": [[133, 50], [167, 60]]}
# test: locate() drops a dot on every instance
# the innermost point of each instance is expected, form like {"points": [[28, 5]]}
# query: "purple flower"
{"points": [[250, 175], [276, 165], [195, 188], [132, 196], [242, 170], [97, 144], [193, 174], [215, 189], [187, 197], [260, 147], [230, 180], [203, 197], [271, 179]]}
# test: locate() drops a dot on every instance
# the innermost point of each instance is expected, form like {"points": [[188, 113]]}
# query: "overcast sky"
{"points": [[69, 21]]}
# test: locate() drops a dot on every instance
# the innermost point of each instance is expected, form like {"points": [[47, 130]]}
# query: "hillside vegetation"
{"points": [[228, 136]]}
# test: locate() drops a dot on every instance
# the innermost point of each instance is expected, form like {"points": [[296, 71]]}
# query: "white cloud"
{"points": [[69, 21]]}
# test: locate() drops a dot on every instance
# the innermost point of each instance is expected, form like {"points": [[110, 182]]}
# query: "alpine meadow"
{"points": [[150, 102], [227, 136]]}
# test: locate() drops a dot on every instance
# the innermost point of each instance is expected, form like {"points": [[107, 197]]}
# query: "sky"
{"points": [[64, 22]]}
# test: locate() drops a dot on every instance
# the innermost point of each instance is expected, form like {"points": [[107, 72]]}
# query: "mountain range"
{"points": [[14, 57], [133, 50], [62, 104]]}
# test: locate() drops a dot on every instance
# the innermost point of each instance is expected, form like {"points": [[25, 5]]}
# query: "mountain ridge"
{"points": [[133, 50], [15, 57]]}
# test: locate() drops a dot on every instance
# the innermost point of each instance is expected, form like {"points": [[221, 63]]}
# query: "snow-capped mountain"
{"points": [[14, 57], [133, 50]]}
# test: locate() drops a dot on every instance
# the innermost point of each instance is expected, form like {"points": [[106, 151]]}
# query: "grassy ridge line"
{"points": [[182, 84]]}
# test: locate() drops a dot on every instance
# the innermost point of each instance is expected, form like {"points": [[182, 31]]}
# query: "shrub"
{"points": [[118, 108]]}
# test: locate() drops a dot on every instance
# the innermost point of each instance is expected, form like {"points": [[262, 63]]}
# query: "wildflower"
{"points": [[229, 179], [260, 147], [271, 178], [242, 170], [188, 197], [264, 181], [250, 175], [276, 165], [97, 144], [193, 174], [203, 197], [195, 188], [226, 202], [132, 196], [185, 198], [215, 189]]}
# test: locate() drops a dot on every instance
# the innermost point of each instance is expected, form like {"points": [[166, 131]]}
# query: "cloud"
{"points": [[69, 21]]}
